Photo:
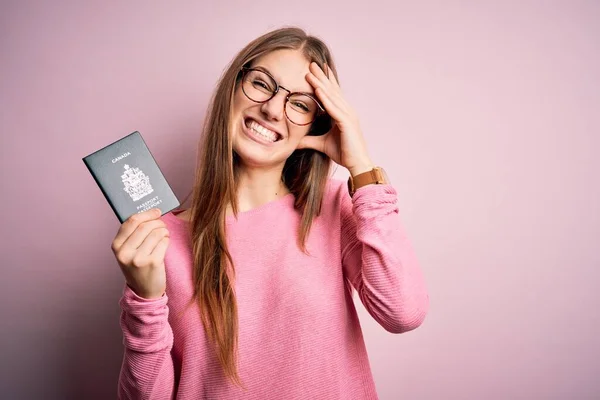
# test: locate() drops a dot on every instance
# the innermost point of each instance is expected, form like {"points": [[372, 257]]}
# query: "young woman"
{"points": [[254, 297]]}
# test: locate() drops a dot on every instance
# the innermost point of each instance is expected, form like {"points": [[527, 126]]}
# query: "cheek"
{"points": [[240, 101], [297, 132]]}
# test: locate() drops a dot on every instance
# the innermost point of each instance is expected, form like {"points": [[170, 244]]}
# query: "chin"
{"points": [[252, 155], [255, 151]]}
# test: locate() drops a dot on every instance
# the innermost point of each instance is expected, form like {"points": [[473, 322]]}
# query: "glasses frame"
{"points": [[320, 111]]}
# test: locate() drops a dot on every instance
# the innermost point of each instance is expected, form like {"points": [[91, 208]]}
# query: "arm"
{"points": [[147, 371], [379, 261]]}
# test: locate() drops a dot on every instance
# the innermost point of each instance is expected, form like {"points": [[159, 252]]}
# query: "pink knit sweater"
{"points": [[299, 334]]}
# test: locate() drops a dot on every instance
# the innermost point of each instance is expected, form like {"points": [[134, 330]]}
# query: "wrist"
{"points": [[146, 296], [360, 168], [374, 175]]}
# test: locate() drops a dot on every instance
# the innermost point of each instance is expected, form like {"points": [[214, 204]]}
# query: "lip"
{"points": [[257, 138]]}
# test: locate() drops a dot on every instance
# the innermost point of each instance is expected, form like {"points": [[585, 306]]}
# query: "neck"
{"points": [[259, 186]]}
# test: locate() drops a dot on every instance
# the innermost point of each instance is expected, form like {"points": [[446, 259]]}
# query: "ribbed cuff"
{"points": [[145, 322], [371, 200]]}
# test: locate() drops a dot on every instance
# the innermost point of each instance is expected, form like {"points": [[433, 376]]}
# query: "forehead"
{"points": [[288, 67]]}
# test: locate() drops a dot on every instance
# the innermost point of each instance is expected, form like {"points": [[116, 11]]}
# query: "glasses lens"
{"points": [[301, 109], [258, 86]]}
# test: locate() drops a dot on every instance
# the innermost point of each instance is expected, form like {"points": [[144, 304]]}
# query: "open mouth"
{"points": [[261, 131]]}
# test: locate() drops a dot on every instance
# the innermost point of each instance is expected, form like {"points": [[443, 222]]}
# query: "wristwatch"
{"points": [[375, 176]]}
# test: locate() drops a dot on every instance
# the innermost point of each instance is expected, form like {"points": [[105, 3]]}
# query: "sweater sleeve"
{"points": [[379, 260], [147, 371]]}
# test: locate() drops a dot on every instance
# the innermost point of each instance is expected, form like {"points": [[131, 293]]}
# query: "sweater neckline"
{"points": [[273, 204]]}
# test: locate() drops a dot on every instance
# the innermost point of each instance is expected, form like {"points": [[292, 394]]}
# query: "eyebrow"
{"points": [[264, 69]]}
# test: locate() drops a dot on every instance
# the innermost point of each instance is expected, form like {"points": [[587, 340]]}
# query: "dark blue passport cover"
{"points": [[130, 178]]}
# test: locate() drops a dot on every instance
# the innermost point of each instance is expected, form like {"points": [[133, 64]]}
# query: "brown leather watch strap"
{"points": [[376, 175]]}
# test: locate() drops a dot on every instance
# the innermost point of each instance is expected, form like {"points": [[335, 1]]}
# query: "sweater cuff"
{"points": [[374, 199], [145, 322]]}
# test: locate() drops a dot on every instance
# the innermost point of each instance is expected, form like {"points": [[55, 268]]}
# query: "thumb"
{"points": [[312, 142]]}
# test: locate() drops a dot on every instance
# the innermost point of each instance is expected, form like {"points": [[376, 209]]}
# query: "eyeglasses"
{"points": [[260, 87]]}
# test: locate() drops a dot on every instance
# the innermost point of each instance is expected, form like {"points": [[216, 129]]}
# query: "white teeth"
{"points": [[262, 131]]}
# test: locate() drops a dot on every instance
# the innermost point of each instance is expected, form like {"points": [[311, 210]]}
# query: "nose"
{"points": [[273, 109]]}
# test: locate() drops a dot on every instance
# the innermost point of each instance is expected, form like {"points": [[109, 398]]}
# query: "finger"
{"points": [[160, 249], [139, 236], [131, 224], [331, 75], [313, 80], [318, 72], [313, 142], [141, 257], [150, 241], [326, 74], [335, 111], [333, 95], [131, 253]]}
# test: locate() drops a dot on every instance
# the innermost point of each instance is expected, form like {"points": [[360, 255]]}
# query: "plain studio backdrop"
{"points": [[484, 114]]}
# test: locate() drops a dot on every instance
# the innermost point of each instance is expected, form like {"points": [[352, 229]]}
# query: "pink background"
{"points": [[485, 115]]}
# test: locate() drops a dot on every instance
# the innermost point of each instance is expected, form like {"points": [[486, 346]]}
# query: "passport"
{"points": [[129, 177]]}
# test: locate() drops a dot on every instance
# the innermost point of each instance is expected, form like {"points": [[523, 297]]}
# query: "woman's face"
{"points": [[262, 135]]}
